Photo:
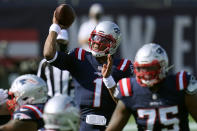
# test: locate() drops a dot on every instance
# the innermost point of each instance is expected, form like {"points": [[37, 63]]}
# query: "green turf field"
{"points": [[131, 126]]}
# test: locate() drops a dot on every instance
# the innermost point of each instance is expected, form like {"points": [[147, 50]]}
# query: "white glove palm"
{"points": [[3, 96]]}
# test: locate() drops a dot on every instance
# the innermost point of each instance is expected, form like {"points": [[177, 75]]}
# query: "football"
{"points": [[65, 15]]}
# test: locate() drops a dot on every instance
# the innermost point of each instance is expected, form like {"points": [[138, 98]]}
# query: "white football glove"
{"points": [[3, 96]]}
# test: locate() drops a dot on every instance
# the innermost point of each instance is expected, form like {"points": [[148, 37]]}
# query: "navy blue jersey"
{"points": [[163, 109], [91, 94], [30, 112]]}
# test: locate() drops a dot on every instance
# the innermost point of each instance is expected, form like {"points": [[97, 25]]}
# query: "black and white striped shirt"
{"points": [[57, 80]]}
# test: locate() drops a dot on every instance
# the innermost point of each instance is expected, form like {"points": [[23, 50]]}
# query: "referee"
{"points": [[58, 81]]}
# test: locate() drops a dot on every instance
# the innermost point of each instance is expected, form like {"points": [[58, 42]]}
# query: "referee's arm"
{"points": [[41, 69]]}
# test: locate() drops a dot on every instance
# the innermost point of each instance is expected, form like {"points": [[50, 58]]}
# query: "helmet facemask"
{"points": [[101, 44], [11, 102], [15, 102], [148, 74], [104, 39]]}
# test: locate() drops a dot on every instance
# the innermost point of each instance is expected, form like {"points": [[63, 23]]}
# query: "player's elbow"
{"points": [[48, 55]]}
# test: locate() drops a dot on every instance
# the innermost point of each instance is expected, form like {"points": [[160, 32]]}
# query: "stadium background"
{"points": [[24, 26]]}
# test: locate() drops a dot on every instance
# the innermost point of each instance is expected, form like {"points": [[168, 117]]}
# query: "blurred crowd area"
{"points": [[24, 26], [12, 68]]}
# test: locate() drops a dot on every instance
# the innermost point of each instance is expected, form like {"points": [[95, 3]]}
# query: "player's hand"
{"points": [[56, 22], [106, 70], [3, 96]]}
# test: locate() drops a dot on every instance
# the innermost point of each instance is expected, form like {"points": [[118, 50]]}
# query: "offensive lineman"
{"points": [[158, 101]]}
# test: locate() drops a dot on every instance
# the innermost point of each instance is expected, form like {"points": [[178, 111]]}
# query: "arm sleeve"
{"points": [[29, 113], [64, 61], [41, 69]]}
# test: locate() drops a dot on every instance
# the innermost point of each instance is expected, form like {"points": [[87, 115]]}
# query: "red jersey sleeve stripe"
{"points": [[119, 66], [36, 111], [83, 55], [121, 88], [127, 65], [177, 81], [124, 64], [184, 80], [80, 54], [129, 86], [76, 53]]}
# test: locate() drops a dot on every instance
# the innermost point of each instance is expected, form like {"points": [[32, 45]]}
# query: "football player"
{"points": [[95, 102], [158, 101], [60, 114], [28, 94]]}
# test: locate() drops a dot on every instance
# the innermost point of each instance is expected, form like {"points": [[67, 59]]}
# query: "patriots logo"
{"points": [[159, 51], [25, 81], [117, 30]]}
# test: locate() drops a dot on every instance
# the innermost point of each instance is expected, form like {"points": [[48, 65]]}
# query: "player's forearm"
{"points": [[119, 118], [18, 125], [112, 92], [50, 46], [190, 101]]}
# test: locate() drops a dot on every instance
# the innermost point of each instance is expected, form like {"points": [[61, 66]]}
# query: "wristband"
{"points": [[55, 27], [109, 82]]}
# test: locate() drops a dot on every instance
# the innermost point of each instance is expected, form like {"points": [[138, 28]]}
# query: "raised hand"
{"points": [[106, 70]]}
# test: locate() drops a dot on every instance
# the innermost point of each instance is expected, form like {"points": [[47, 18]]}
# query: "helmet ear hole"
{"points": [[25, 98]]}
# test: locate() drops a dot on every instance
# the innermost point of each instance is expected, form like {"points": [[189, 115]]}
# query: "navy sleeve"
{"points": [[29, 112], [65, 61]]}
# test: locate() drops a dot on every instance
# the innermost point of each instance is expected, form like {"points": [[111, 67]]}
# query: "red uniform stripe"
{"points": [[184, 80], [177, 81], [129, 86], [121, 62], [83, 55], [76, 53], [35, 112], [121, 88], [127, 65]]}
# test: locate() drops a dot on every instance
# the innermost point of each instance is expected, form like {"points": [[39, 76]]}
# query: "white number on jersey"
{"points": [[164, 120]]}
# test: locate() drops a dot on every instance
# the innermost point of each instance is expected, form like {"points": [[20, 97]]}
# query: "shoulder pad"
{"points": [[80, 53], [181, 80], [124, 64], [192, 86], [125, 87]]}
